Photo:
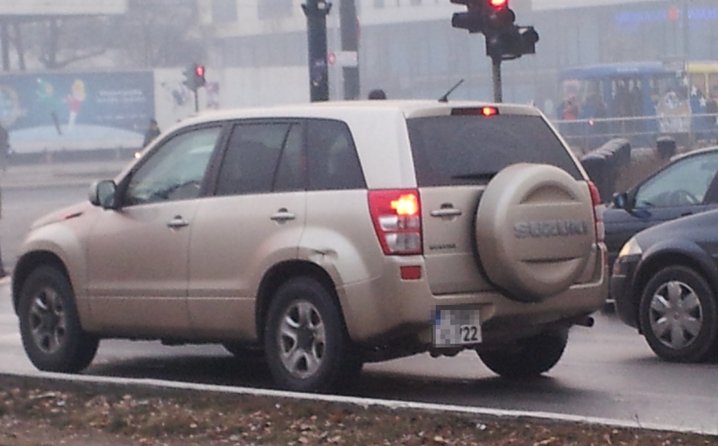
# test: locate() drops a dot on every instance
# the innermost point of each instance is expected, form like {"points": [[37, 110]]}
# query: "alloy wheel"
{"points": [[301, 338], [676, 314], [47, 320]]}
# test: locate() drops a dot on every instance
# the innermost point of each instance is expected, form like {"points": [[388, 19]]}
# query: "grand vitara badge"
{"points": [[553, 228]]}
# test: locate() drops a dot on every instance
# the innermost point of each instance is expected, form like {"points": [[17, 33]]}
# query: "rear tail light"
{"points": [[597, 212], [396, 215]]}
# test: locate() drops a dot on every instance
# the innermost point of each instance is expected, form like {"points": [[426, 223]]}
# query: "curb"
{"points": [[359, 401]]}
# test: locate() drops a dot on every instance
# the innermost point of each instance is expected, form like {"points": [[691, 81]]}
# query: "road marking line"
{"points": [[368, 402]]}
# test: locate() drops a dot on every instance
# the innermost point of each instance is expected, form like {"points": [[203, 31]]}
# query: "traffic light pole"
{"points": [[196, 102], [316, 12], [496, 77]]}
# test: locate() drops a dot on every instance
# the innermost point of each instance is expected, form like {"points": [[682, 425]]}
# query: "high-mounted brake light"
{"points": [[499, 4], [597, 212], [486, 111], [396, 215]]}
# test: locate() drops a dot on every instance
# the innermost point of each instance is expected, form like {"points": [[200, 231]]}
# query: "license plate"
{"points": [[456, 326]]}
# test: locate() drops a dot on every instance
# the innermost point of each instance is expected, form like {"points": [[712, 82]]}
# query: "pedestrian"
{"points": [[153, 131], [4, 147], [377, 93]]}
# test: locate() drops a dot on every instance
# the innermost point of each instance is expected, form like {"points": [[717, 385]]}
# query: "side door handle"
{"points": [[282, 215], [177, 222]]}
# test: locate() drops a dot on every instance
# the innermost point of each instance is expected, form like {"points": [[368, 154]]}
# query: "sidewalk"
{"points": [[49, 174]]}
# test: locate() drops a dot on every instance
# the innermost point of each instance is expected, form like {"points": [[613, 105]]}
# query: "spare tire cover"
{"points": [[534, 230]]}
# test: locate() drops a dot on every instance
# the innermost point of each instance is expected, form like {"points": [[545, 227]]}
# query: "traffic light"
{"points": [[504, 39], [472, 19], [194, 77], [486, 16]]}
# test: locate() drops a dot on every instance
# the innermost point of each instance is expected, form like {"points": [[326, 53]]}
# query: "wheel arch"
{"points": [[280, 274], [27, 264]]}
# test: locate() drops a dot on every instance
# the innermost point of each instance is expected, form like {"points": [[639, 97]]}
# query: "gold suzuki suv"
{"points": [[327, 235]]}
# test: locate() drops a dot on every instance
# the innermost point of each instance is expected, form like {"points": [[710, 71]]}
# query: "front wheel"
{"points": [[50, 326], [305, 341], [528, 358], [678, 315]]}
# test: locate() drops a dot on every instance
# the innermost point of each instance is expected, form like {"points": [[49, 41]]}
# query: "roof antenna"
{"points": [[445, 98]]}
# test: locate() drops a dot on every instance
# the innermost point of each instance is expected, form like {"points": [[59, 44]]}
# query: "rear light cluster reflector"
{"points": [[597, 212], [396, 215]]}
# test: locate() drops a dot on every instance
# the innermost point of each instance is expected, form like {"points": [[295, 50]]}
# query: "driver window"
{"points": [[176, 170], [683, 184]]}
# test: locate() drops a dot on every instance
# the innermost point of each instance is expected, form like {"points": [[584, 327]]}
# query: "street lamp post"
{"points": [[316, 12]]}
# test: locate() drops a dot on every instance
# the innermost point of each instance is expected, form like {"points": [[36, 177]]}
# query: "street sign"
{"points": [[346, 58]]}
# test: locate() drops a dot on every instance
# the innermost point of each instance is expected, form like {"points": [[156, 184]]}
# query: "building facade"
{"points": [[408, 47]]}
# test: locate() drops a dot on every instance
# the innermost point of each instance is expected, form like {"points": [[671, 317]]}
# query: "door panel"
{"points": [[254, 221], [137, 254], [138, 268]]}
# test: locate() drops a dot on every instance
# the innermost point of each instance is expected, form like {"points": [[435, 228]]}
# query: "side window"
{"points": [[684, 183], [252, 162], [175, 171], [332, 159]]}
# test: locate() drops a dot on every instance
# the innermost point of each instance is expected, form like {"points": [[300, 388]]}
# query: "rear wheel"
{"points": [[307, 347], [528, 358], [50, 326], [678, 315]]}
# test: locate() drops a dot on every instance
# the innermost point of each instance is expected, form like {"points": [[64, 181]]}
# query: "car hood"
{"points": [[66, 213], [696, 228]]}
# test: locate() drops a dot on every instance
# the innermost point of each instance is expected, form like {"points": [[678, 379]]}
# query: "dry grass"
{"points": [[36, 412]]}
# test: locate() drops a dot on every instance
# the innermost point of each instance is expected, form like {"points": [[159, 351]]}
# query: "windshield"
{"points": [[450, 150]]}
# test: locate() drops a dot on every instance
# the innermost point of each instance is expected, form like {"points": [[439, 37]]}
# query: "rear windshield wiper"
{"points": [[475, 176]]}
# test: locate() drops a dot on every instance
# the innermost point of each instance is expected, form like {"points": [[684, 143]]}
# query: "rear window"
{"points": [[451, 150]]}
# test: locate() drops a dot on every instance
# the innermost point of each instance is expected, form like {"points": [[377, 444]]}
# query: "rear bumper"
{"points": [[386, 308]]}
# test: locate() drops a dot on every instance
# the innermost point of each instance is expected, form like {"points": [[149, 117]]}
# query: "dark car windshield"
{"points": [[451, 150]]}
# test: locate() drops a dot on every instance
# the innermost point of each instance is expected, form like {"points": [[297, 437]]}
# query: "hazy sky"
{"points": [[556, 4]]}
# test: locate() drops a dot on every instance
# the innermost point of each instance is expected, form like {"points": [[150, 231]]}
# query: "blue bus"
{"points": [[637, 100]]}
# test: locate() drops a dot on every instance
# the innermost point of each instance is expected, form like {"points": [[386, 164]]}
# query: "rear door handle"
{"points": [[446, 212], [282, 215], [177, 222]]}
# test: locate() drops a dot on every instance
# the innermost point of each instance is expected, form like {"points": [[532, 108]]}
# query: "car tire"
{"points": [[528, 358], [50, 325], [305, 341], [678, 315]]}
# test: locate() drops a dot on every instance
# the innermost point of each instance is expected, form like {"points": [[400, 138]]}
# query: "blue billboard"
{"points": [[50, 111]]}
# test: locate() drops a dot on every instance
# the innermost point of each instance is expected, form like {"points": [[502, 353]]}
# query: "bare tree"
{"points": [[151, 34]]}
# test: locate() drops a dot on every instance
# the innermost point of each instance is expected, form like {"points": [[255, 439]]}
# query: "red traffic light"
{"points": [[199, 71]]}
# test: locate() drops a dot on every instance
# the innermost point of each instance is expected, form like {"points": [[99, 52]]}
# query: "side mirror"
{"points": [[620, 201], [102, 193]]}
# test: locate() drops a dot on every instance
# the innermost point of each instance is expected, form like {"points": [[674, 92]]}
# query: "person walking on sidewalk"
{"points": [[153, 131]]}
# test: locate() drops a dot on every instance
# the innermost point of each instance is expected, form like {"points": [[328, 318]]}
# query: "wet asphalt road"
{"points": [[607, 371]]}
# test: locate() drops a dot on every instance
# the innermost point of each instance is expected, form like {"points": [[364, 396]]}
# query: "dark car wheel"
{"points": [[305, 342], [528, 358], [678, 315], [50, 326]]}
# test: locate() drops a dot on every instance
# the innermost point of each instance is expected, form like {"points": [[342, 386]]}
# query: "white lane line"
{"points": [[367, 402]]}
